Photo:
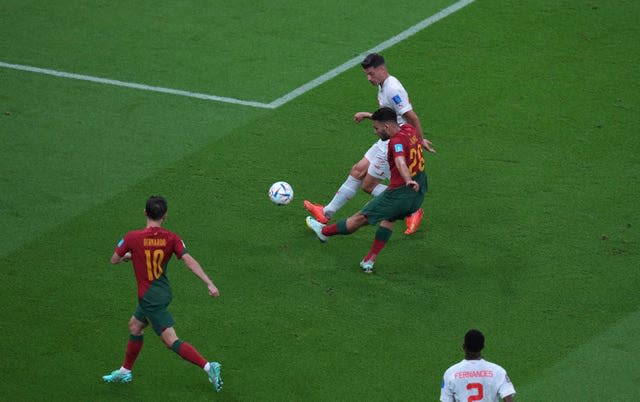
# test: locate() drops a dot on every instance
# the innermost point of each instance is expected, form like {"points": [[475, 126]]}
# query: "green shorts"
{"points": [[159, 317], [393, 205]]}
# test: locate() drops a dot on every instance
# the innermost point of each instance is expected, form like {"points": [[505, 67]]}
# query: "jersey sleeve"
{"points": [[399, 99], [179, 248], [122, 247], [397, 147], [506, 387], [445, 391]]}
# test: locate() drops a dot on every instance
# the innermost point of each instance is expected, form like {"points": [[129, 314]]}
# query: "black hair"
{"points": [[372, 60], [473, 341], [384, 114], [156, 207]]}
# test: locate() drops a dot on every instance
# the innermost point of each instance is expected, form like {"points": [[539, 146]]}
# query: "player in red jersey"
{"points": [[404, 195], [150, 250], [373, 168]]}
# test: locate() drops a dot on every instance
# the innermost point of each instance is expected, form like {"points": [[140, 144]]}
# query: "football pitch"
{"points": [[532, 216]]}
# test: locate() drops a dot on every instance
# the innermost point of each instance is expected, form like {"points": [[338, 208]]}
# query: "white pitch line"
{"points": [[356, 60], [276, 103], [135, 85]]}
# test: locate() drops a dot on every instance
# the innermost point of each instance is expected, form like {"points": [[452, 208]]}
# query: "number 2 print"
{"points": [[479, 388]]}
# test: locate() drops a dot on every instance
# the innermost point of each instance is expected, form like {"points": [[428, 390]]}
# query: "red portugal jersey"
{"points": [[151, 250], [408, 143]]}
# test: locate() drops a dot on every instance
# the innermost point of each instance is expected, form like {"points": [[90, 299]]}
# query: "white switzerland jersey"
{"points": [[392, 94], [475, 380]]}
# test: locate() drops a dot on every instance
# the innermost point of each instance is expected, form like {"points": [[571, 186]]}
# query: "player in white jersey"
{"points": [[391, 94], [475, 379], [373, 168]]}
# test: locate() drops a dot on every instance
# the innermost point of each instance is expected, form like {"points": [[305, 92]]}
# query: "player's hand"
{"points": [[213, 290], [414, 185], [428, 145], [358, 117]]}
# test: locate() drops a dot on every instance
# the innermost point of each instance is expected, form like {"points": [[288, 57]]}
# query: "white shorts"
{"points": [[378, 163]]}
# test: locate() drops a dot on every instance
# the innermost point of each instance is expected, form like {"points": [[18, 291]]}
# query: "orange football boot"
{"points": [[317, 211], [413, 221]]}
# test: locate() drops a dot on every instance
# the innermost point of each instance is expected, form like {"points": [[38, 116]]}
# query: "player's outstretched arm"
{"points": [[412, 118], [428, 145], [197, 270], [358, 117]]}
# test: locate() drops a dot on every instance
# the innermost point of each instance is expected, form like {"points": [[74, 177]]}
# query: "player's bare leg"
{"points": [[373, 185], [356, 221]]}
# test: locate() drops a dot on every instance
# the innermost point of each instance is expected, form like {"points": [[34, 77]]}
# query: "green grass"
{"points": [[244, 49], [532, 228]]}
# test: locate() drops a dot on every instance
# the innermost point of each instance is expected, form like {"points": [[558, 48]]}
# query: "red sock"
{"points": [[189, 353], [330, 230], [133, 348], [375, 249]]}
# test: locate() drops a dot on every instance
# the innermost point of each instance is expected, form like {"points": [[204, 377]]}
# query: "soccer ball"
{"points": [[281, 193]]}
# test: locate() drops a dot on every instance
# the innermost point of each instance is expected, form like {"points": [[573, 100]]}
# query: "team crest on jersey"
{"points": [[397, 99], [398, 148]]}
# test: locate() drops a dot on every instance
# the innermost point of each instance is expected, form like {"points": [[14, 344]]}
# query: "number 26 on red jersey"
{"points": [[416, 161]]}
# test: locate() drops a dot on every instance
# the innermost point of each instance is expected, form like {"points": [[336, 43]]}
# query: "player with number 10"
{"points": [[150, 250]]}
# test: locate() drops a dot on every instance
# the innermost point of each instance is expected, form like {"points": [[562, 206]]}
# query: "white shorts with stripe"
{"points": [[378, 163]]}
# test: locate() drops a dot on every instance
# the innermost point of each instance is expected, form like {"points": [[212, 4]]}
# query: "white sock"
{"points": [[379, 189], [124, 370], [346, 192], [207, 367]]}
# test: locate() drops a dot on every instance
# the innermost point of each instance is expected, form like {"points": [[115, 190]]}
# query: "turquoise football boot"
{"points": [[367, 266], [117, 376], [214, 375]]}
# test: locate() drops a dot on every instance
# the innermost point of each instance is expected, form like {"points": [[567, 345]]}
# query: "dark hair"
{"points": [[156, 207], [372, 60], [473, 341], [384, 114]]}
